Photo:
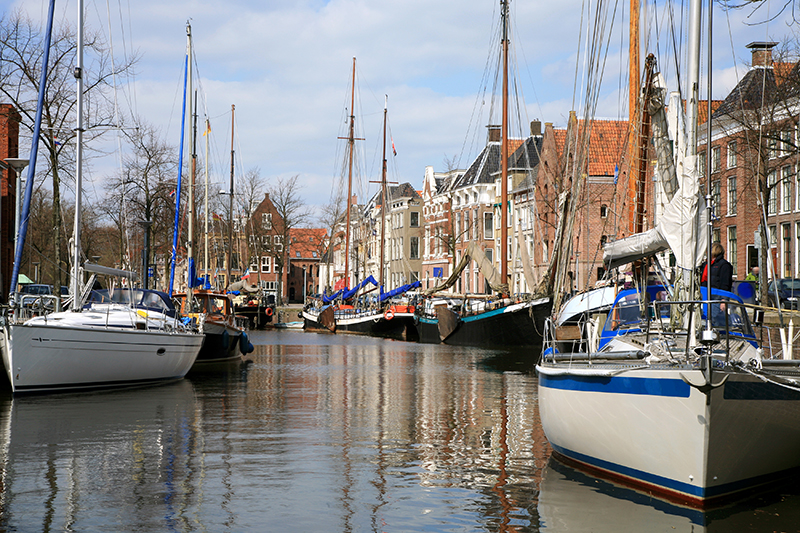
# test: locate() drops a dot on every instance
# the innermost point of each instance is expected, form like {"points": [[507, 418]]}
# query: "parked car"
{"points": [[31, 295], [788, 293], [36, 288]]}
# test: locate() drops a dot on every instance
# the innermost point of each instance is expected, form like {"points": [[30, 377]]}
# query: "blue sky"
{"points": [[287, 66]]}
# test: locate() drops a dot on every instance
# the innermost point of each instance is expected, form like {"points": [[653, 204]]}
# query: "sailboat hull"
{"points": [[518, 324], [651, 429], [400, 327], [221, 344], [50, 357]]}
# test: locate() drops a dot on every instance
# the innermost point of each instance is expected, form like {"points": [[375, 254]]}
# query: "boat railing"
{"points": [[27, 306]]}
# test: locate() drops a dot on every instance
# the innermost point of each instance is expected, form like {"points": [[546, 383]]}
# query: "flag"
{"points": [[216, 216], [393, 148], [172, 194], [246, 274]]}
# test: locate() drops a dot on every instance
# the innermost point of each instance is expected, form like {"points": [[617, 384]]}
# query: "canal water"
{"points": [[317, 433]]}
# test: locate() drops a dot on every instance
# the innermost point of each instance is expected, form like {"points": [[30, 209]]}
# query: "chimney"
{"points": [[762, 53], [495, 135], [536, 128]]}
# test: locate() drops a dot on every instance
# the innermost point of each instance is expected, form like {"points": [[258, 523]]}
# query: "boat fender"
{"points": [[388, 315], [245, 346], [226, 339], [268, 311]]}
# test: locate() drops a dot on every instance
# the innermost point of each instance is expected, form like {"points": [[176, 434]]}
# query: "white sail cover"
{"points": [[682, 219], [677, 230]]}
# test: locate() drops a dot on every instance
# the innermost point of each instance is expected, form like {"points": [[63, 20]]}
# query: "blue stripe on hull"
{"points": [[672, 388]]}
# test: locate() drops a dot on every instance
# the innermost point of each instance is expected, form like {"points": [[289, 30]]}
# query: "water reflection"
{"points": [[570, 500], [317, 433]]}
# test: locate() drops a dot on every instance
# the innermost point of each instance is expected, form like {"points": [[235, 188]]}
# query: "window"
{"points": [[466, 226], [254, 264], [715, 235], [266, 263], [701, 163], [787, 142], [488, 225], [475, 222], [266, 221], [278, 239], [297, 254], [732, 154], [732, 247], [786, 190], [716, 158], [266, 240], [773, 235], [772, 148], [732, 195], [772, 204], [715, 199], [414, 252], [414, 277], [313, 254], [786, 230], [604, 211], [414, 219]]}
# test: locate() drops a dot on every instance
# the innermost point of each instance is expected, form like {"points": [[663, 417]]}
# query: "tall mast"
{"points": [[383, 193], [190, 271], [205, 253], [504, 155], [76, 257], [351, 144], [229, 249]]}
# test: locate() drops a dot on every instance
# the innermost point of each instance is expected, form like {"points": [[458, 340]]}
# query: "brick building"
{"points": [[742, 155], [9, 148]]}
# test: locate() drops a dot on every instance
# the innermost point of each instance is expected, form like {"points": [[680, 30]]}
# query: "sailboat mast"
{"points": [[504, 155], [76, 257], [383, 193], [190, 271], [229, 249], [351, 144], [205, 229]]}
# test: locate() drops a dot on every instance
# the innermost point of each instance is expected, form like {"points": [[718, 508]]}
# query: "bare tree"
{"points": [[21, 50], [293, 212]]}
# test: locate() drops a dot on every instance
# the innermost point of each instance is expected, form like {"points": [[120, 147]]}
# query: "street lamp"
{"points": [[18, 165], [146, 252]]}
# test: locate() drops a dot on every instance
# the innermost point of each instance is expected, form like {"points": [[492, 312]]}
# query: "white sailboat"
{"points": [[105, 343], [668, 399]]}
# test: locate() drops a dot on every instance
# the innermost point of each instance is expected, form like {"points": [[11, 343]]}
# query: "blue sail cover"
{"points": [[399, 290], [352, 292]]}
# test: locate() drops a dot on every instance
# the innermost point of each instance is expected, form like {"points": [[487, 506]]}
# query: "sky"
{"points": [[287, 67]]}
